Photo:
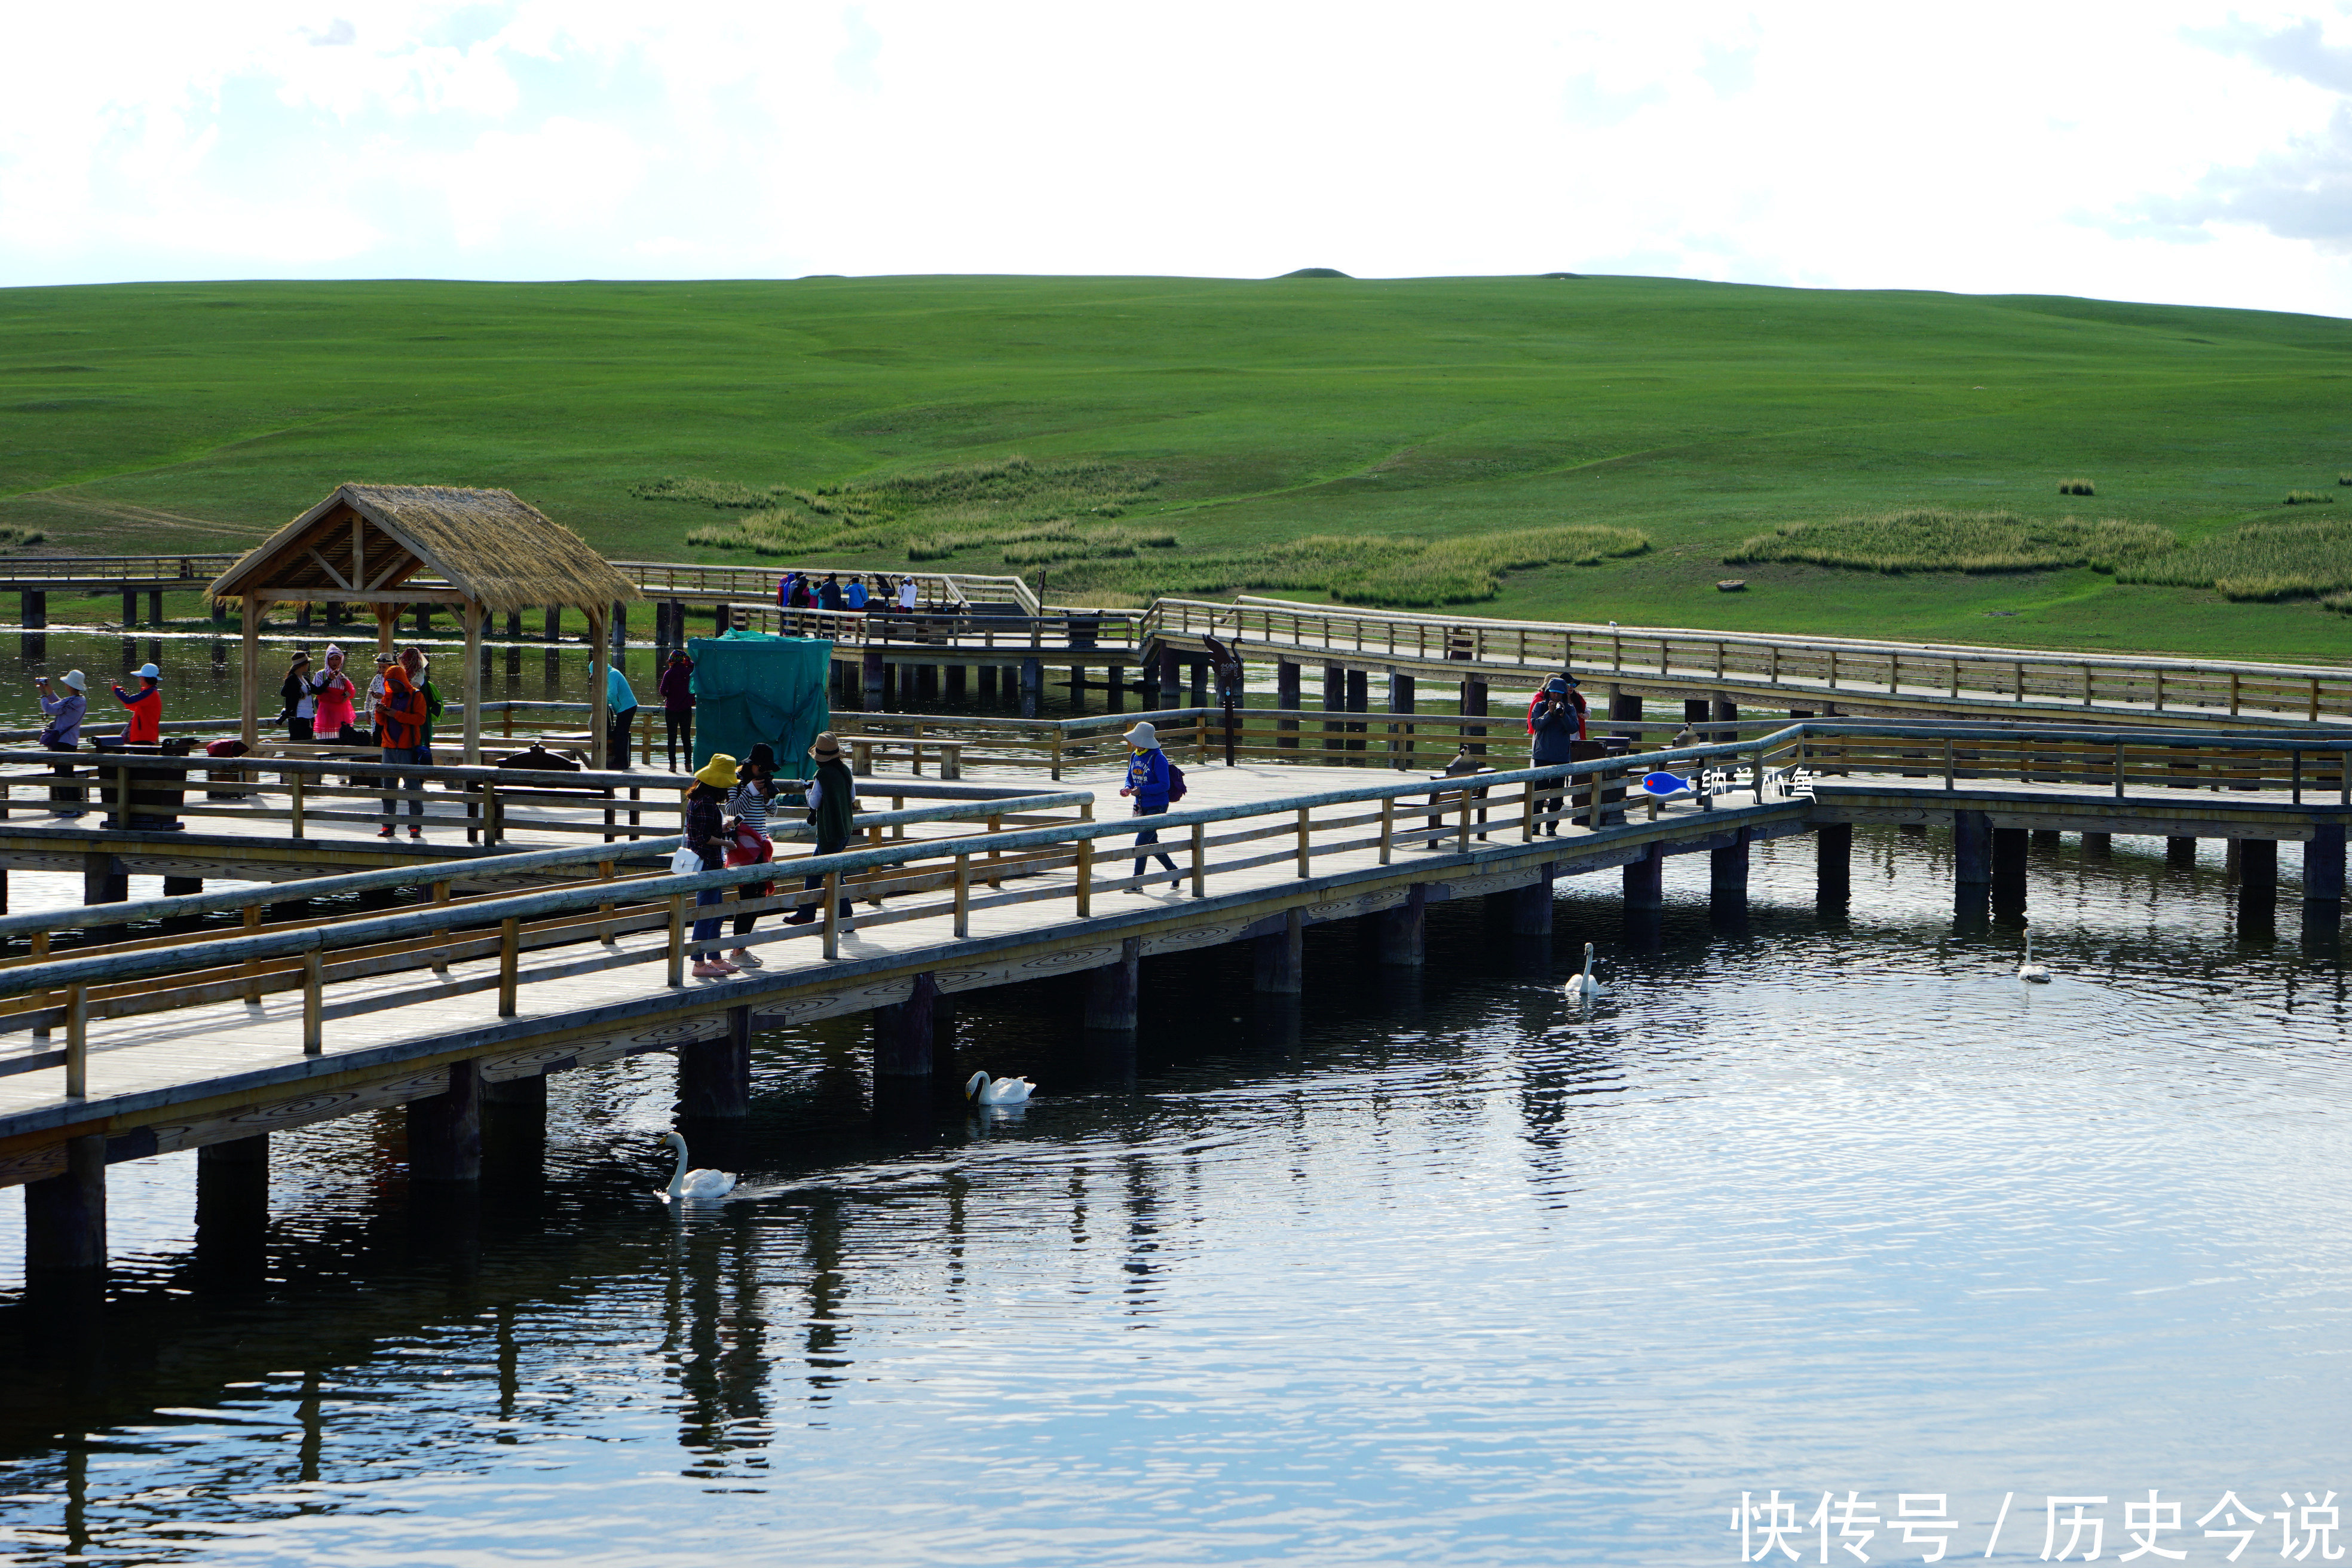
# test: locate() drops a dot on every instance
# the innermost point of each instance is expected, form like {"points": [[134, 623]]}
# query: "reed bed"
{"points": [[1957, 542], [1396, 571], [2077, 488], [2259, 560], [2308, 497]]}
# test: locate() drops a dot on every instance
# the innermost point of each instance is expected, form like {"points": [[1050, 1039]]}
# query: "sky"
{"points": [[2187, 152]]}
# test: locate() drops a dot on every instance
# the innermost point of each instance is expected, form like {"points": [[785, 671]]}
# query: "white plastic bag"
{"points": [[685, 862]]}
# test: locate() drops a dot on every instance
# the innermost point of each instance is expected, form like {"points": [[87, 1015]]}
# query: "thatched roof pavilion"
{"points": [[391, 546]]}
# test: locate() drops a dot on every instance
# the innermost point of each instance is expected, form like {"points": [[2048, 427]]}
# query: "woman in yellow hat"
{"points": [[706, 835]]}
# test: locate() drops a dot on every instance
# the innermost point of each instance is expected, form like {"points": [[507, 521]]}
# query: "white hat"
{"points": [[1144, 736], [149, 670], [75, 679]]}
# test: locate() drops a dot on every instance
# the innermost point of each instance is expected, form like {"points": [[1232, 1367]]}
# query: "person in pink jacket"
{"points": [[336, 698]]}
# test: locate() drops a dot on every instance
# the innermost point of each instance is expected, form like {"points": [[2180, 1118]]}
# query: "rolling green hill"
{"points": [[1186, 433]]}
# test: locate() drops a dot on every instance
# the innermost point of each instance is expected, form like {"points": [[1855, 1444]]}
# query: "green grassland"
{"points": [[1596, 448]]}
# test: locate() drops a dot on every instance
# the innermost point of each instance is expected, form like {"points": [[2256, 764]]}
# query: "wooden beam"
{"points": [[600, 660], [470, 690], [328, 566], [356, 596], [249, 673]]}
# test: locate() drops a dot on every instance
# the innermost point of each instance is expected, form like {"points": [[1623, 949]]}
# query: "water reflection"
{"points": [[1435, 1260]]}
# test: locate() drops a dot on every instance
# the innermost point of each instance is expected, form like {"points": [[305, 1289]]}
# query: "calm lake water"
{"points": [[1424, 1268], [1421, 1270]]}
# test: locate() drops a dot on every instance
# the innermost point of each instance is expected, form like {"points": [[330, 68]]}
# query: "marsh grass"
{"points": [[11, 537], [2308, 497], [2077, 488], [1018, 505], [2258, 562], [2343, 479], [1393, 571], [1956, 541]]}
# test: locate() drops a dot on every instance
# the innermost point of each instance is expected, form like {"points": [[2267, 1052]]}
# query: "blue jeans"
{"points": [[1151, 836], [706, 932], [412, 788]]}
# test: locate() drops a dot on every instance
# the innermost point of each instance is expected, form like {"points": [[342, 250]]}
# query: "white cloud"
{"points": [[2183, 151]]}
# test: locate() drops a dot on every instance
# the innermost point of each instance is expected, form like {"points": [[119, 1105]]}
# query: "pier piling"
{"points": [[902, 1033], [1645, 887], [233, 1211], [2098, 845], [1972, 848], [65, 1225], [1033, 687], [2257, 873], [1401, 931], [444, 1129], [1280, 960], [1832, 864], [2180, 851], [714, 1077], [1111, 990], [1728, 879]]}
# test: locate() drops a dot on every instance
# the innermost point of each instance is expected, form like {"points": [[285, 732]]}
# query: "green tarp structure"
{"points": [[749, 687]]}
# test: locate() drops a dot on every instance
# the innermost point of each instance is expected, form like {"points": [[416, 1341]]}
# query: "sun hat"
{"points": [[719, 773], [1556, 685], [826, 748], [1143, 737], [383, 658], [1571, 681], [763, 755], [149, 670], [75, 679], [301, 656]]}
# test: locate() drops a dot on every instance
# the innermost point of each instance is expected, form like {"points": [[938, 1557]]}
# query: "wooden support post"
{"points": [[554, 624], [902, 1033], [1086, 877], [1111, 990], [1033, 687], [714, 1075], [33, 609], [476, 689], [2008, 846], [1305, 828], [1335, 700], [2098, 845], [1645, 883], [249, 722], [1832, 864], [314, 1001], [2180, 851], [600, 700], [1286, 696], [2323, 864], [1401, 930], [76, 1042], [1972, 848], [129, 606], [1727, 878], [444, 1129], [1279, 958], [510, 965], [1200, 860], [832, 916], [233, 1210], [1531, 905], [963, 894], [988, 685], [873, 671], [2257, 876], [678, 940], [65, 1224]]}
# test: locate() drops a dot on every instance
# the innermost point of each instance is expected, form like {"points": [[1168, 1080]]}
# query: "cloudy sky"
{"points": [[2192, 153]]}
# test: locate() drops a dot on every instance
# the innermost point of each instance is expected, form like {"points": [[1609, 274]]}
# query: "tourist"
{"points": [[852, 593], [706, 835], [400, 728], [336, 697], [748, 843], [828, 593], [1576, 700], [676, 688], [620, 714], [297, 702], [145, 726], [1555, 739], [910, 597], [785, 590], [831, 801], [375, 691], [62, 732], [413, 660], [1148, 783]]}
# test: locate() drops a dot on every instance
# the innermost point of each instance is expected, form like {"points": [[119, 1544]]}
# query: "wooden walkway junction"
{"points": [[213, 1039]]}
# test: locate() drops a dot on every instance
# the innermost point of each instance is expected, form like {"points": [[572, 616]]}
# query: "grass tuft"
{"points": [[1956, 541], [2077, 488], [11, 536], [2308, 497]]}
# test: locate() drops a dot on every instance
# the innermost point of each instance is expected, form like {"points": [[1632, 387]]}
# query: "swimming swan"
{"points": [[1584, 984], [685, 1184], [985, 1090], [2030, 970]]}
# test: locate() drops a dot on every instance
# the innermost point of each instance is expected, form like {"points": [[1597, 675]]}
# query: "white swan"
{"points": [[985, 1090], [1584, 984], [2030, 970], [685, 1184]]}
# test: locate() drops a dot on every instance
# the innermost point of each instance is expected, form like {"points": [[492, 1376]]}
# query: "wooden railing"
{"points": [[1075, 862], [1095, 634], [1823, 669], [757, 585], [101, 571]]}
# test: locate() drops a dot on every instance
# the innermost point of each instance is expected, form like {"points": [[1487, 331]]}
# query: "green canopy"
{"points": [[749, 687]]}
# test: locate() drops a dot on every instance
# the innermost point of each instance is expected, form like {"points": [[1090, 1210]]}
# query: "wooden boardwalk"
{"points": [[219, 1071]]}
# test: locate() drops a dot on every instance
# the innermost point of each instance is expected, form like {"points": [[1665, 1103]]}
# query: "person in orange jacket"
{"points": [[146, 706], [400, 716]]}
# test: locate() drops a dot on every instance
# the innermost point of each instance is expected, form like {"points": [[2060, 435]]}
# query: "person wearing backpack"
{"points": [[1151, 782]]}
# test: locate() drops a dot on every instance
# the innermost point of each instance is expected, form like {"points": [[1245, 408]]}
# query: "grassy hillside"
{"points": [[1233, 418]]}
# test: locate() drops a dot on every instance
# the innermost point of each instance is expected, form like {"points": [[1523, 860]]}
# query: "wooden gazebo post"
{"points": [[473, 690]]}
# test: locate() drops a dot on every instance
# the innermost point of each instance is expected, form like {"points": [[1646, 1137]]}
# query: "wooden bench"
{"points": [[865, 750]]}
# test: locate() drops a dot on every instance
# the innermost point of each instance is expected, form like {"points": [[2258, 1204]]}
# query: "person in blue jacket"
{"points": [[1556, 725], [1147, 784]]}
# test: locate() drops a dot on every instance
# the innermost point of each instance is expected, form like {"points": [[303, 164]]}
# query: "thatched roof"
{"points": [[490, 545]]}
